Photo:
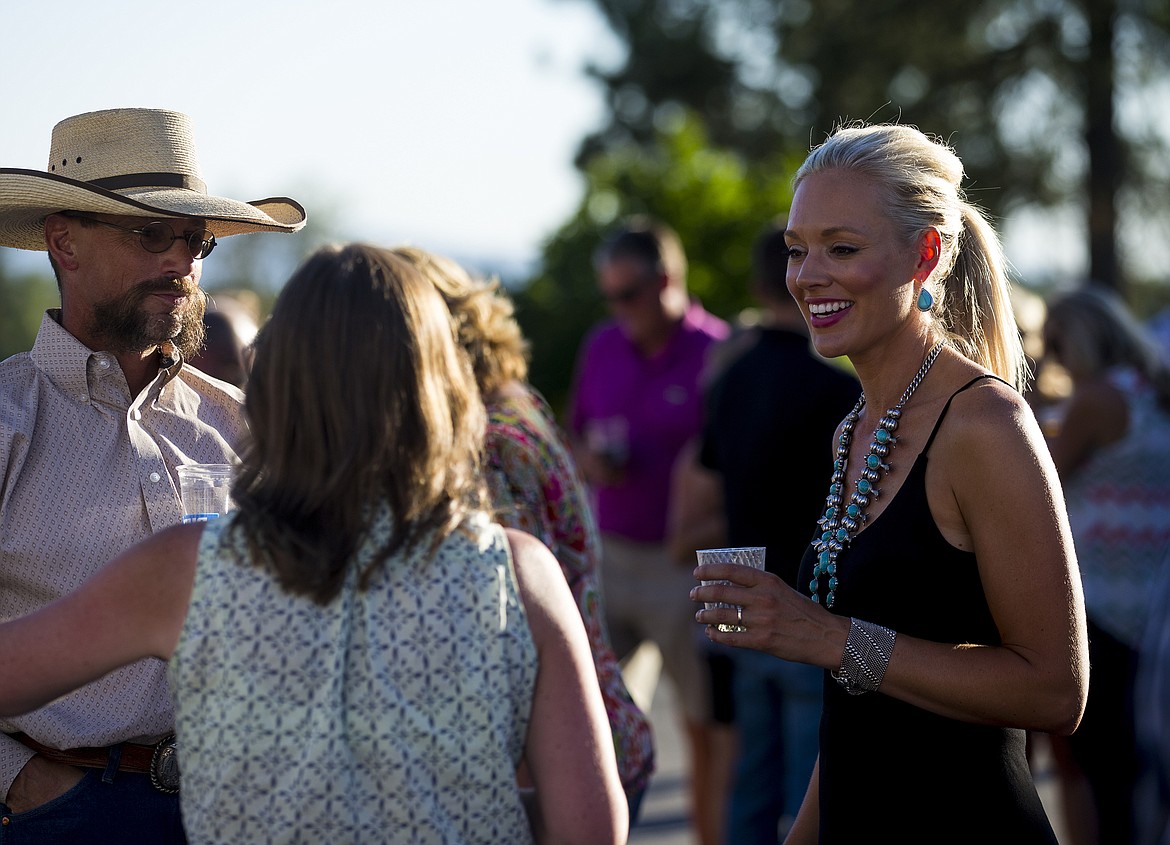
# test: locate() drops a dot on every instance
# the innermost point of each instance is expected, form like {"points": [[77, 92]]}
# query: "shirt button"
{"points": [[104, 363], [83, 397], [154, 476]]}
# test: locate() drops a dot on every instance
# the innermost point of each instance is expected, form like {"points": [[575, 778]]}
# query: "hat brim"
{"points": [[27, 197]]}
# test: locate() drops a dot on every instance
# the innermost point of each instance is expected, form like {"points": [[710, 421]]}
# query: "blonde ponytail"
{"points": [[978, 317]]}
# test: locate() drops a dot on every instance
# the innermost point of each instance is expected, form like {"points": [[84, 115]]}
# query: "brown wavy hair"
{"points": [[483, 319], [357, 396]]}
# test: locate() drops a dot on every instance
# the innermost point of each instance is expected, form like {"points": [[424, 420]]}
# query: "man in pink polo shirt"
{"points": [[636, 402]]}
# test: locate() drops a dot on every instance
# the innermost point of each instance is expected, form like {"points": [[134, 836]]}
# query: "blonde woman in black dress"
{"points": [[940, 592]]}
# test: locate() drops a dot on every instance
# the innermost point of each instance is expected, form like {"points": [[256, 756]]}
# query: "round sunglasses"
{"points": [[158, 236]]}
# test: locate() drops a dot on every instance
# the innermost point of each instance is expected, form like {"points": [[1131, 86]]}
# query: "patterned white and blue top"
{"points": [[1119, 510], [394, 714]]}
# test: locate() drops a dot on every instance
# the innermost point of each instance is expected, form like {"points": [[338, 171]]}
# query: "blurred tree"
{"points": [[24, 297], [715, 199], [1053, 103]]}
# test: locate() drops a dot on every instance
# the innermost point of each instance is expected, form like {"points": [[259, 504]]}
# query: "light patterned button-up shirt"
{"points": [[87, 470]]}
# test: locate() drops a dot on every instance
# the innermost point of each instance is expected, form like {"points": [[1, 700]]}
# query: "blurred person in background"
{"points": [[1152, 718], [636, 401], [1159, 328], [535, 486], [775, 393], [227, 347], [1111, 446], [356, 653], [696, 521]]}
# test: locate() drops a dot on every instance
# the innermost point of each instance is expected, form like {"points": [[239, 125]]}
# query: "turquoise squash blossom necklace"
{"points": [[840, 525]]}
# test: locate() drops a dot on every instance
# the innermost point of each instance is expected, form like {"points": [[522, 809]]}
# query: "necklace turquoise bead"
{"points": [[840, 525]]}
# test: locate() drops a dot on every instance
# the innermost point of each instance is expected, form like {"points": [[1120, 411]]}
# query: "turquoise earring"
{"points": [[925, 300]]}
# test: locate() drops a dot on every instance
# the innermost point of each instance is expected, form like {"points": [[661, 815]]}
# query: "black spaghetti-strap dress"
{"points": [[893, 771]]}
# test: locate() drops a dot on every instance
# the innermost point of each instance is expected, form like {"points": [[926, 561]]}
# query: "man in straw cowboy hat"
{"points": [[93, 421]]}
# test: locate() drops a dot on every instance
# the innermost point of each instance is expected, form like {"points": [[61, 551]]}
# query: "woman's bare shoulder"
{"points": [[990, 435], [988, 410], [991, 469]]}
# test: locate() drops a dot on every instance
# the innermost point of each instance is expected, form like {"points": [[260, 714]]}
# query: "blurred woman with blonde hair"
{"points": [[535, 485]]}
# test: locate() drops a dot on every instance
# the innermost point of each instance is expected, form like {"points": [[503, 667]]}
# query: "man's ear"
{"points": [[59, 240]]}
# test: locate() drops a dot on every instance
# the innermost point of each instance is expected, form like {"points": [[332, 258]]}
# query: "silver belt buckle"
{"points": [[164, 766]]}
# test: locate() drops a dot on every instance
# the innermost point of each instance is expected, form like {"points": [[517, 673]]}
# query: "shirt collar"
{"points": [[696, 316], [70, 364]]}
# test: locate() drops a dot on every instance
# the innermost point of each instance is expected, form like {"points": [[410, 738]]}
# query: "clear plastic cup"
{"points": [[752, 556], [205, 490]]}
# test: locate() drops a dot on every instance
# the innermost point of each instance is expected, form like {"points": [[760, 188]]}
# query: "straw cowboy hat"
{"points": [[137, 162]]}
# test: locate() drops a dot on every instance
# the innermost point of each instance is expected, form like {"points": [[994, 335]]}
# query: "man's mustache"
{"points": [[185, 287]]}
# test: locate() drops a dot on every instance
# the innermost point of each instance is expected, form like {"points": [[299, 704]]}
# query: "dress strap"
{"points": [[947, 406]]}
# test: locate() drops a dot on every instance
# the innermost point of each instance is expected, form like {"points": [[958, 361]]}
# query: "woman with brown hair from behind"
{"points": [[358, 653]]}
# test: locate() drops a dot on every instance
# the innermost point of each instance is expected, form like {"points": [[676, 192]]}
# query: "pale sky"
{"points": [[450, 124]]}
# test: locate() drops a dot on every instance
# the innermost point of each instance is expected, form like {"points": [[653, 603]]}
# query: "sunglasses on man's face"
{"points": [[158, 236], [628, 295]]}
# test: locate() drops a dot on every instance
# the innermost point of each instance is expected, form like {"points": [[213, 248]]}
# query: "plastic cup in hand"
{"points": [[205, 490], [609, 438], [752, 556]]}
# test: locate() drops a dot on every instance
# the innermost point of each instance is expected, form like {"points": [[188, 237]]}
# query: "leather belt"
{"points": [[158, 761]]}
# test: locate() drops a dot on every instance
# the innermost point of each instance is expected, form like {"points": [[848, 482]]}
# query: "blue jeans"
{"points": [[778, 713], [105, 808]]}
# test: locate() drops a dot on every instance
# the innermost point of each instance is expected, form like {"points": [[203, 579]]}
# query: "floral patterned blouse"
{"points": [[535, 486]]}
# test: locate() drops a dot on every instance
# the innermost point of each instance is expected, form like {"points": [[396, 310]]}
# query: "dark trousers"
{"points": [[1105, 744], [105, 808]]}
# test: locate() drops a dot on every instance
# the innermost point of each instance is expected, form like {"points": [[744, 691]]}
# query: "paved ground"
{"points": [[664, 820]]}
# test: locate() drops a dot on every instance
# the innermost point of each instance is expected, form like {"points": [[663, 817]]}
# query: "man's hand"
{"points": [[599, 470], [39, 782]]}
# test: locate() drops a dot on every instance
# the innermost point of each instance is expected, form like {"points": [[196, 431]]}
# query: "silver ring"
{"points": [[739, 613]]}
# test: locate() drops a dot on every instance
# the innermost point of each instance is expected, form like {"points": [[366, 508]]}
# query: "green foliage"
{"points": [[718, 100], [1050, 103], [23, 299], [715, 199]]}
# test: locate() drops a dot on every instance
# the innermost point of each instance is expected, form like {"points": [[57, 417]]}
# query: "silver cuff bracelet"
{"points": [[865, 658]]}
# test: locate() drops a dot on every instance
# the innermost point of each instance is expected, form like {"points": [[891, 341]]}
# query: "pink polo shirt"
{"points": [[660, 401]]}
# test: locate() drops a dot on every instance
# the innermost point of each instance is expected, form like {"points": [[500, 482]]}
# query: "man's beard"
{"points": [[125, 326]]}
